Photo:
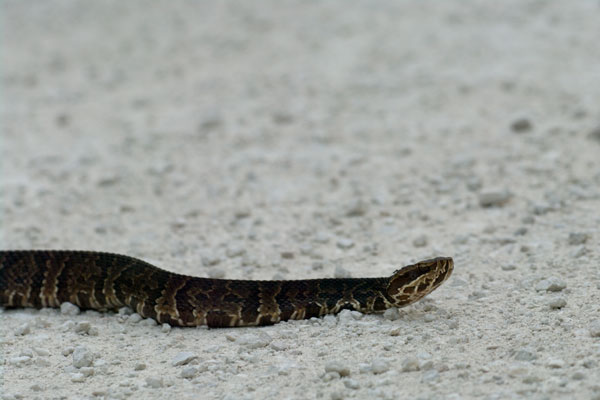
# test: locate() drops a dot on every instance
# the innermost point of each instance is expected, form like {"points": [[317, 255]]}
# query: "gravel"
{"points": [[494, 198], [284, 140]]}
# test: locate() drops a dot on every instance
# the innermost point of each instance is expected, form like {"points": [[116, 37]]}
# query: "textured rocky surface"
{"points": [[310, 139]]}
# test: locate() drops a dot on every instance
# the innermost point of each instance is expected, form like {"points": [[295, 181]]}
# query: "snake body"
{"points": [[106, 281]]}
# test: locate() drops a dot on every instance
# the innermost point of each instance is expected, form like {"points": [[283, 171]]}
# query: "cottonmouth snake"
{"points": [[105, 281]]}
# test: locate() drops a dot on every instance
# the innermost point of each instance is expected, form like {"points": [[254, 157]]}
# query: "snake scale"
{"points": [[105, 281]]}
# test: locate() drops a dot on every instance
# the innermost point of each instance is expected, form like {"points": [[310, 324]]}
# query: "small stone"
{"points": [[341, 272], [41, 352], [139, 367], [278, 345], [420, 241], [336, 395], [165, 328], [23, 329], [525, 354], [288, 255], [125, 311], [410, 364], [36, 387], [557, 303], [391, 314], [364, 368], [521, 125], [330, 376], [347, 317], [550, 284], [82, 357], [379, 366], [134, 318], [431, 375], [20, 361], [70, 309], [577, 238], [578, 375], [216, 273], [351, 384], [322, 237], [189, 372], [235, 250], [337, 366], [595, 328], [154, 382], [254, 341], [357, 208], [209, 259], [345, 243], [83, 327], [429, 318], [595, 134], [77, 377], [508, 267], [494, 198], [555, 363], [183, 358], [242, 213]]}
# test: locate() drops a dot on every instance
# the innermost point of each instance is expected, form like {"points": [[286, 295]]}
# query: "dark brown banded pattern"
{"points": [[105, 281]]}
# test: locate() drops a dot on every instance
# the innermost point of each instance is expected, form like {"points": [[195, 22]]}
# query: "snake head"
{"points": [[415, 281]]}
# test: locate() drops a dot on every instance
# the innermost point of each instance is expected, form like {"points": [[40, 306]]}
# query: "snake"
{"points": [[107, 282]]}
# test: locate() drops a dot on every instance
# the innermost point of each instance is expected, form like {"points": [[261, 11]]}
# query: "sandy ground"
{"points": [[304, 139]]}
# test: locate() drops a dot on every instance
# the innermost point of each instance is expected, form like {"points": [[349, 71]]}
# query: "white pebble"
{"points": [[139, 367], [134, 318], [391, 314], [154, 382], [557, 303], [125, 311], [189, 372], [254, 341], [345, 243], [165, 328], [41, 352], [70, 309], [77, 377], [525, 354], [278, 345], [36, 387], [341, 272], [356, 209], [183, 358], [379, 366], [235, 250], [23, 329], [577, 238], [430, 375], [551, 284], [21, 360], [494, 198], [82, 357], [83, 327], [410, 364], [555, 363], [595, 328], [349, 316], [420, 241], [351, 383], [322, 237], [337, 366]]}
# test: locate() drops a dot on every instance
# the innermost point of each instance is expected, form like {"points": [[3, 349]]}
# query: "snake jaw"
{"points": [[415, 281]]}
